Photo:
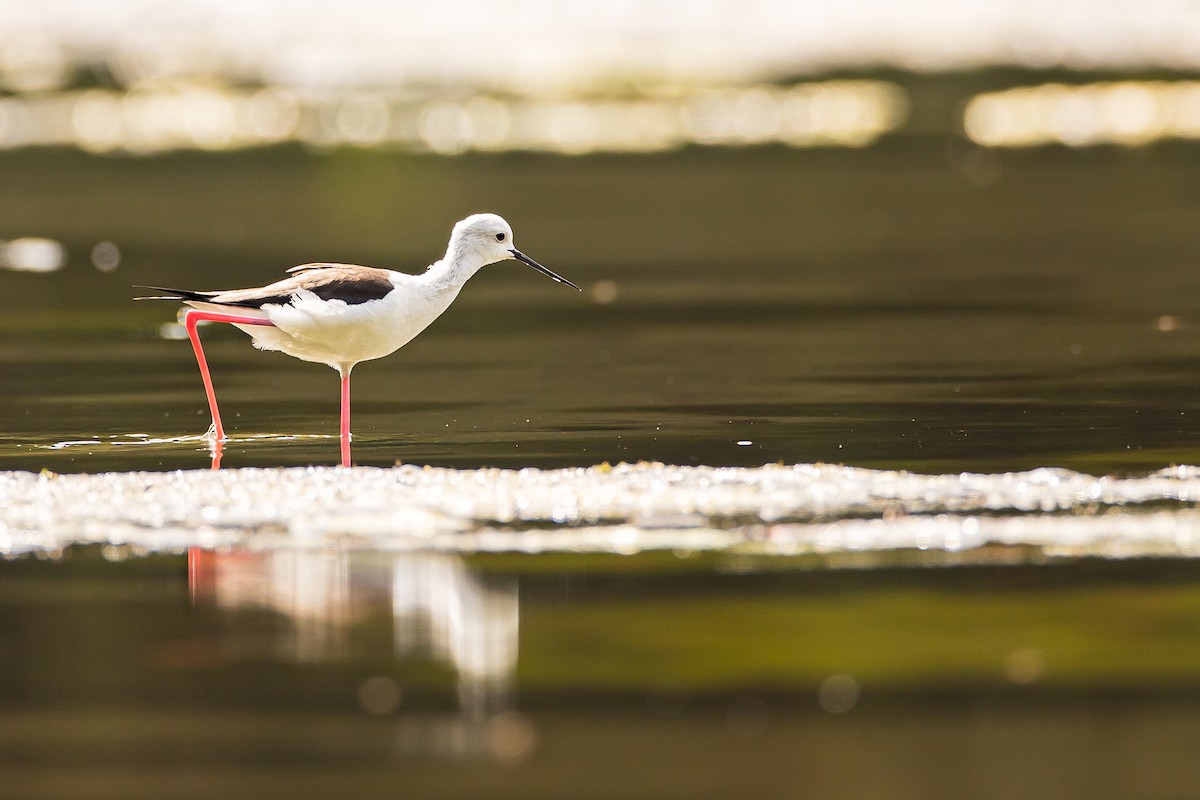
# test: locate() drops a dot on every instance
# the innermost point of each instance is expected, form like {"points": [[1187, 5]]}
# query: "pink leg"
{"points": [[190, 318], [345, 430]]}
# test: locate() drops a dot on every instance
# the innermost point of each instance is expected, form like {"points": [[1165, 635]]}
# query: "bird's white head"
{"points": [[483, 239]]}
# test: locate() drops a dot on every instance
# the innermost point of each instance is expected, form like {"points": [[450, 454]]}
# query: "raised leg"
{"points": [[345, 428], [190, 318]]}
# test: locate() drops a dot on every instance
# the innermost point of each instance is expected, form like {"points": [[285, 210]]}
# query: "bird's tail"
{"points": [[174, 294]]}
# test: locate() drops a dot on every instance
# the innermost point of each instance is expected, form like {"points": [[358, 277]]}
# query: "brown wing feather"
{"points": [[350, 284], [325, 265]]}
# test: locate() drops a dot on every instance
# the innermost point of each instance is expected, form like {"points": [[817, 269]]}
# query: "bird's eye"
{"points": [[499, 237]]}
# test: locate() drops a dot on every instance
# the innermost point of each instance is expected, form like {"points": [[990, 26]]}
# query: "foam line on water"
{"points": [[142, 439], [774, 509]]}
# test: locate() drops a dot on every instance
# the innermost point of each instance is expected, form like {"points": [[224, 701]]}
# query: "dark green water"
{"points": [[877, 308]]}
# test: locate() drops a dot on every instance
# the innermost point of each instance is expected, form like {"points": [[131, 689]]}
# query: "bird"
{"points": [[343, 314]]}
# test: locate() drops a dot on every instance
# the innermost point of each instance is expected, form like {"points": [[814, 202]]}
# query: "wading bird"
{"points": [[341, 314]]}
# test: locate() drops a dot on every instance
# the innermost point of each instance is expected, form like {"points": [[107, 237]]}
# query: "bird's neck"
{"points": [[454, 269]]}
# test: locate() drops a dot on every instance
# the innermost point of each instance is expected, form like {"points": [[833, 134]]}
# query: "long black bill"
{"points": [[524, 259]]}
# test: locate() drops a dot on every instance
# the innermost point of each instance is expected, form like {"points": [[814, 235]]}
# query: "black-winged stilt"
{"points": [[341, 314]]}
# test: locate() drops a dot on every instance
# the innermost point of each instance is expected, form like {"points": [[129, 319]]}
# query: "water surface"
{"points": [[874, 308], [309, 672], [887, 308]]}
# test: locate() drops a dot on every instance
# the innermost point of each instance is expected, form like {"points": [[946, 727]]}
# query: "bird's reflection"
{"points": [[437, 604], [440, 611]]}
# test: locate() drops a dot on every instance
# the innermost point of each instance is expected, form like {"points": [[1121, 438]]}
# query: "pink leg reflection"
{"points": [[216, 449]]}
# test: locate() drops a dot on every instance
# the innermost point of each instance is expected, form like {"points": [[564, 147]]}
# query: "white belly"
{"points": [[340, 335]]}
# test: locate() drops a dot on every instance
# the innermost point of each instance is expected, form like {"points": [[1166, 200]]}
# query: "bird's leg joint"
{"points": [[192, 316]]}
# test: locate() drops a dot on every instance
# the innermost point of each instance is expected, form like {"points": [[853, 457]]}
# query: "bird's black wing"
{"points": [[350, 284]]}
